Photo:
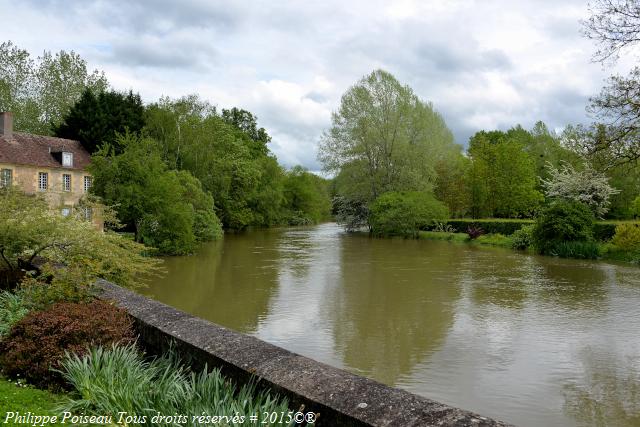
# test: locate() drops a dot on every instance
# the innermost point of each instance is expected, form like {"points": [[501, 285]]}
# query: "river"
{"points": [[531, 340]]}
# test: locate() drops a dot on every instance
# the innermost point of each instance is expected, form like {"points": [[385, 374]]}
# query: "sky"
{"points": [[484, 64]]}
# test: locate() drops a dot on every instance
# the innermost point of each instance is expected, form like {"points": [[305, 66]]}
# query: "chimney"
{"points": [[6, 124]]}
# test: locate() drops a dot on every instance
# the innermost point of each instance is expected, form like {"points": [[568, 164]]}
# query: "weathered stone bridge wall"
{"points": [[341, 398]]}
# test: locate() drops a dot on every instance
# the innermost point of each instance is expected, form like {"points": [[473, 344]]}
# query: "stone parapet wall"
{"points": [[341, 398]]}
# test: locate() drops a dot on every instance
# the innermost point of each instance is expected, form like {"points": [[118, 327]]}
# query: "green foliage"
{"points": [[41, 92], [452, 186], [38, 342], [627, 237], [562, 222], [635, 207], [502, 178], [29, 229], [168, 209], [404, 213], [581, 249], [385, 139], [248, 124], [118, 379], [97, 119], [245, 181], [12, 309], [306, 197], [523, 237]]}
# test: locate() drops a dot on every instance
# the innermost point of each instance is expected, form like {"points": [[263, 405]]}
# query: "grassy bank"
{"points": [[17, 397]]}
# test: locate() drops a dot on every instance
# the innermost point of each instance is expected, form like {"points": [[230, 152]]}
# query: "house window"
{"points": [[6, 177], [88, 181], [43, 181], [88, 214], [66, 211], [66, 182], [67, 159]]}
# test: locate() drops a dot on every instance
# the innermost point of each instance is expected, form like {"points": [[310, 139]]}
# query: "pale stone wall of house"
{"points": [[26, 177]]}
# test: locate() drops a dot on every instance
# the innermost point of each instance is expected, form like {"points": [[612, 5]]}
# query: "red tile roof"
{"points": [[36, 150]]}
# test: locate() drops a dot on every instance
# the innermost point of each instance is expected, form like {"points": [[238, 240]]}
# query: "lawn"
{"points": [[18, 398]]}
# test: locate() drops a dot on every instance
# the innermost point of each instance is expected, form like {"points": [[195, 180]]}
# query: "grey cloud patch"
{"points": [[457, 59], [161, 53], [150, 16], [316, 97]]}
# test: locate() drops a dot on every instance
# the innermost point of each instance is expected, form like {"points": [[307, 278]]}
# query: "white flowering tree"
{"points": [[587, 186]]}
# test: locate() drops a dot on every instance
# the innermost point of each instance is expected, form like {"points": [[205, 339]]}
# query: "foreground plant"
{"points": [[119, 379], [30, 230], [38, 342]]}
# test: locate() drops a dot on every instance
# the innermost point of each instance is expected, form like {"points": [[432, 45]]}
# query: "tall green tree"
{"points": [[502, 177], [41, 92], [246, 183], [97, 118], [384, 138], [306, 197], [248, 123], [166, 208]]}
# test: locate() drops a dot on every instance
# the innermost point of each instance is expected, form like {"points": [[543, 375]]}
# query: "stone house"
{"points": [[53, 166]]}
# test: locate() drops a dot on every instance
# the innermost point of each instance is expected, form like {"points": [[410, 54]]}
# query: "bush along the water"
{"points": [[627, 237], [405, 213], [563, 222], [35, 345], [522, 238], [116, 378], [582, 249]]}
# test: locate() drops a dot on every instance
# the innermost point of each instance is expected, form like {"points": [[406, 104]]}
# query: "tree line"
{"points": [[177, 171]]}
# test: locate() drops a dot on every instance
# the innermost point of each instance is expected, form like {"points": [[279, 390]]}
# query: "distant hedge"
{"points": [[505, 227], [602, 231]]}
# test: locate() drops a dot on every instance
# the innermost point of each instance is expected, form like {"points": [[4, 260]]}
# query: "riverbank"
{"points": [[605, 250]]}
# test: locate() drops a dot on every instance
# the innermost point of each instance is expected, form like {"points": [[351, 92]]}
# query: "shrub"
{"points": [[404, 213], [37, 343], [522, 238], [12, 309], [563, 221], [635, 207], [574, 249], [473, 231], [603, 231], [158, 385], [627, 237]]}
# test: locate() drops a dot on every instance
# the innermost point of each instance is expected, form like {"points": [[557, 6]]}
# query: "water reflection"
{"points": [[527, 339], [394, 306]]}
